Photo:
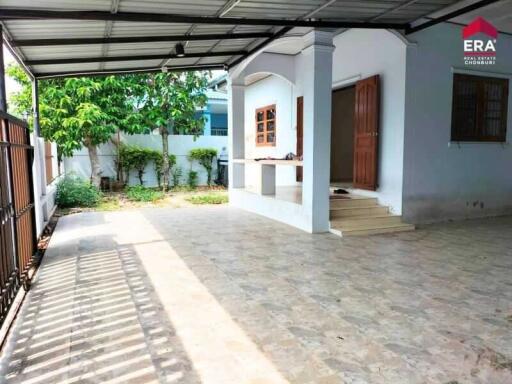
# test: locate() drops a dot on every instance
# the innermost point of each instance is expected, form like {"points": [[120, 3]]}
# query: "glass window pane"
{"points": [[259, 116], [271, 137], [260, 127], [271, 114], [260, 139]]}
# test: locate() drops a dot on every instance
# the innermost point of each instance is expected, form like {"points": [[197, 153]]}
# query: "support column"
{"points": [[3, 96], [236, 133], [35, 107], [317, 92]]}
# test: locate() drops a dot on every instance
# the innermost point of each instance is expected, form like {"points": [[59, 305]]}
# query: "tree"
{"points": [[82, 112], [205, 157], [170, 101]]}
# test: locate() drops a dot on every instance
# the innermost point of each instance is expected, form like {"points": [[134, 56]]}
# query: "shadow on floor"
{"points": [[93, 317]]}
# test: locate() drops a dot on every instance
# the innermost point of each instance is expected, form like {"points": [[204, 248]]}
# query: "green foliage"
{"points": [[192, 179], [170, 100], [141, 193], [211, 198], [77, 112], [205, 157], [176, 174], [132, 157], [75, 192]]}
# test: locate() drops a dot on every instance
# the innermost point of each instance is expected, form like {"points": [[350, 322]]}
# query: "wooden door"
{"points": [[366, 133], [300, 133]]}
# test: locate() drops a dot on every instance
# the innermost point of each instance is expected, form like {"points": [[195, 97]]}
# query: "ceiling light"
{"points": [[180, 50]]}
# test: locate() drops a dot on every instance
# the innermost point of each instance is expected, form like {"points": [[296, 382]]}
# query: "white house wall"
{"points": [[268, 91], [443, 181], [362, 53]]}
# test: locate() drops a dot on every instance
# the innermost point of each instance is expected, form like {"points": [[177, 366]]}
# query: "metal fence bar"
{"points": [[18, 241]]}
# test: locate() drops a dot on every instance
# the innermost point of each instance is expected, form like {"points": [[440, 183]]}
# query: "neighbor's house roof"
{"points": [[68, 37]]}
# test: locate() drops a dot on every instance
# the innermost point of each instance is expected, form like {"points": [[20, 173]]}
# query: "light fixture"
{"points": [[180, 50]]}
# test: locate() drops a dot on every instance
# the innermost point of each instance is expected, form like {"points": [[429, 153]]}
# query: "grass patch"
{"points": [[109, 203], [140, 193], [210, 198]]}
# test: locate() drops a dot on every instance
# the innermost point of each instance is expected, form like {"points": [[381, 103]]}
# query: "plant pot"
{"points": [[117, 186]]}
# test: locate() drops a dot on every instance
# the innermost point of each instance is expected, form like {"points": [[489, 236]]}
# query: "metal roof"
{"points": [[66, 37]]}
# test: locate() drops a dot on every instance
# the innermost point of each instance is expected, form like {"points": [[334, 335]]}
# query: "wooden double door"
{"points": [[366, 133]]}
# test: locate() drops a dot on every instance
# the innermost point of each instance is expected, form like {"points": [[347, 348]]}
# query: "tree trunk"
{"points": [[116, 141], [165, 158], [95, 164]]}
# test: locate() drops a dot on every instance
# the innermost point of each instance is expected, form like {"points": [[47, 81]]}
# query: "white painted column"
{"points": [[236, 133], [317, 91]]}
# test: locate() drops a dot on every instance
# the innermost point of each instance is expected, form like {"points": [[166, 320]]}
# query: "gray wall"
{"points": [[443, 180]]}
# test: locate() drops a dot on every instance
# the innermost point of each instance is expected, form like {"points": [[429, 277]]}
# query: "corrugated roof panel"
{"points": [[184, 61], [49, 29], [187, 7], [233, 44], [140, 48], [213, 60], [66, 67], [60, 52], [122, 28], [291, 9], [367, 10], [355, 10], [73, 5], [132, 64]]}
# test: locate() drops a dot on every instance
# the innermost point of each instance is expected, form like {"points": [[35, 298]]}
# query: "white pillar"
{"points": [[236, 133], [317, 91]]}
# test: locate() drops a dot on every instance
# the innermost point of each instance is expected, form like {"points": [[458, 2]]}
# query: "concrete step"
{"points": [[371, 229], [380, 230], [368, 211], [362, 221], [353, 202]]}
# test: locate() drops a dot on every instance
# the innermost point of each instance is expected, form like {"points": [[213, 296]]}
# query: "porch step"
{"points": [[349, 201], [365, 210], [362, 221], [372, 229], [357, 216]]}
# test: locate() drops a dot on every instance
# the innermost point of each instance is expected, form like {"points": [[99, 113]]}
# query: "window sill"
{"points": [[461, 144]]}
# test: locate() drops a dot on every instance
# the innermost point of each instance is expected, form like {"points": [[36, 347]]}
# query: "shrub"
{"points": [[205, 157], [176, 174], [137, 158], [192, 179], [210, 198], [141, 193], [133, 157], [75, 192]]}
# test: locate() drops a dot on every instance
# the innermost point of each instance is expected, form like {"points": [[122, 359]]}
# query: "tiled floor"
{"points": [[217, 295]]}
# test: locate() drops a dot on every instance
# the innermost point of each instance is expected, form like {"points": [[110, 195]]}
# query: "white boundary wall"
{"points": [[179, 145]]}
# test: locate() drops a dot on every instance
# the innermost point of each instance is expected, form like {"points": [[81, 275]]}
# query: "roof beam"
{"points": [[102, 59], [29, 14], [451, 15], [136, 39], [120, 71]]}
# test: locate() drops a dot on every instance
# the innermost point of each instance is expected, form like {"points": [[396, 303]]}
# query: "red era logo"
{"points": [[479, 25], [476, 48]]}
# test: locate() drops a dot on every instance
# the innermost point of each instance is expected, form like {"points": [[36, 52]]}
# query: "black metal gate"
{"points": [[18, 240]]}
